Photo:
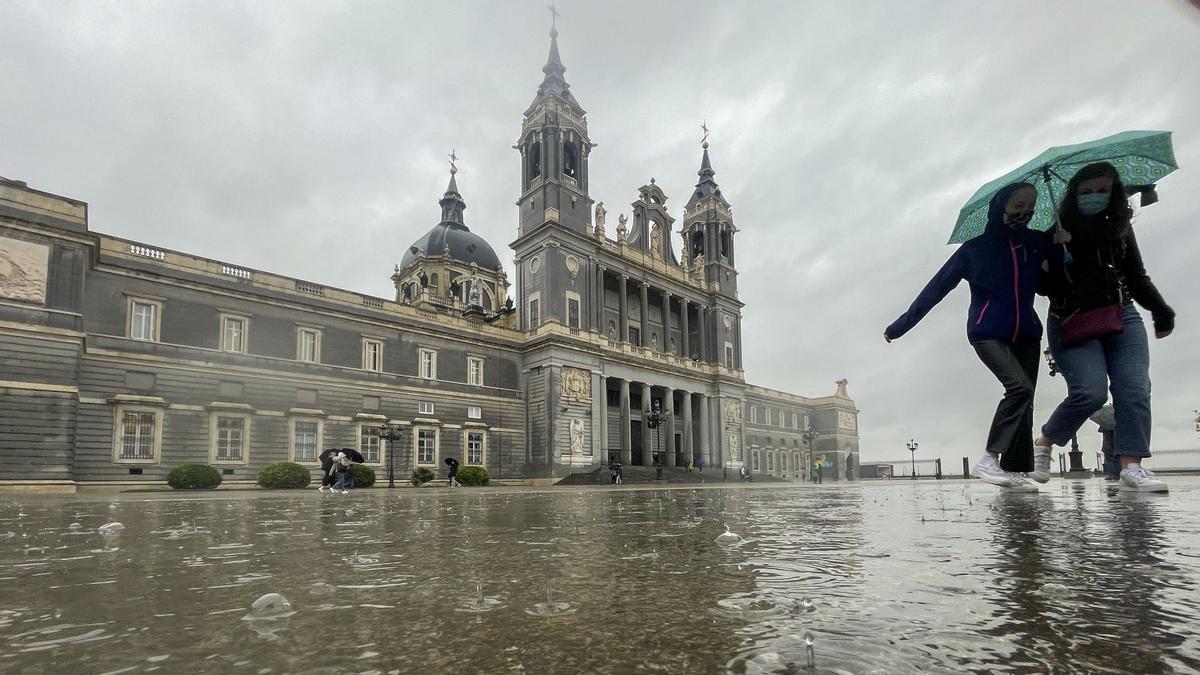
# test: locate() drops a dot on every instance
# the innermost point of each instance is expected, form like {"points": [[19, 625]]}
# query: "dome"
{"points": [[464, 245]]}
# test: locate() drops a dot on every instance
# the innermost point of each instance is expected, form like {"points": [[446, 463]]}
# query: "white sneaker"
{"points": [[345, 492], [988, 470], [1134, 477], [320, 488], [1041, 463]]}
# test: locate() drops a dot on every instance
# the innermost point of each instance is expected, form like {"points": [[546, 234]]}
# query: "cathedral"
{"points": [[125, 359]]}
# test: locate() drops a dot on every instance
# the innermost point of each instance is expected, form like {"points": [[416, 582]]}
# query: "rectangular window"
{"points": [[233, 334], [138, 435], [306, 436], [475, 371], [754, 414], [474, 412], [635, 336], [368, 443], [572, 311], [768, 418], [230, 439], [770, 461], [428, 367], [426, 446], [143, 320], [795, 424], [308, 345], [475, 447], [372, 355], [729, 356], [535, 316], [425, 407]]}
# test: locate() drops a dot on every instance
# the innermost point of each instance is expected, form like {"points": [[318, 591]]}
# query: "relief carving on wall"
{"points": [[847, 421], [733, 410], [576, 384], [23, 270]]}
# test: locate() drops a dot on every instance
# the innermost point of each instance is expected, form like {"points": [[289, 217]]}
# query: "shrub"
{"points": [[363, 476], [472, 476], [194, 477], [284, 475], [420, 477]]}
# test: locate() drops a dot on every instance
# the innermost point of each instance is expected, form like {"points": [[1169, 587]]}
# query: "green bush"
{"points": [[194, 477], [472, 476], [420, 477], [363, 476], [284, 475]]}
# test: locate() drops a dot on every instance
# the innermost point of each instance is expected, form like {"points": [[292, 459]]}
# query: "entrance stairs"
{"points": [[645, 475]]}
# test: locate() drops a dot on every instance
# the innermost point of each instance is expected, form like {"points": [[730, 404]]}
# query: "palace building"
{"points": [[123, 359]]}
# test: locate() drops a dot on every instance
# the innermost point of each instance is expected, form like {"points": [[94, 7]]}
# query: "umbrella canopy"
{"points": [[327, 453], [353, 454], [1141, 158]]}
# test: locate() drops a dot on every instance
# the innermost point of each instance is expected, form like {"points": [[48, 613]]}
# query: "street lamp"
{"points": [[912, 448], [654, 418], [809, 436], [1050, 362], [390, 434], [1197, 420]]}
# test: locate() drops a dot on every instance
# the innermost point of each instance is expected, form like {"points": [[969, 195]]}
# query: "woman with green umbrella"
{"points": [[1003, 266], [1097, 338]]}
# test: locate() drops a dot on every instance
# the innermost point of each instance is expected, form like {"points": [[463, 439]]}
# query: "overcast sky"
{"points": [[309, 139]]}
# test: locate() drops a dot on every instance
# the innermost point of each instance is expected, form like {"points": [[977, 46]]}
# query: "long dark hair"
{"points": [[1109, 226]]}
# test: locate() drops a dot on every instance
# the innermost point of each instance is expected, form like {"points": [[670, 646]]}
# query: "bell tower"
{"points": [[554, 147]]}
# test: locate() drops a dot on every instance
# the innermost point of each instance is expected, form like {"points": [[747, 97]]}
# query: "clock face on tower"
{"points": [[847, 421]]}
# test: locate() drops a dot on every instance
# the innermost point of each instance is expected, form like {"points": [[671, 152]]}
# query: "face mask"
{"points": [[1019, 219], [1091, 204]]}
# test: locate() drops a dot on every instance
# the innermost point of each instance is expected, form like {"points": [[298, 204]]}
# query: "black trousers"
{"points": [[1016, 366]]}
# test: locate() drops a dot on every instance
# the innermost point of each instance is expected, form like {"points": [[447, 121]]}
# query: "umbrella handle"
{"points": [[1057, 223]]}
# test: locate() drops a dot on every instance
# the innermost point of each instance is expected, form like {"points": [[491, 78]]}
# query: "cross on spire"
{"points": [[704, 128], [553, 17], [453, 158]]}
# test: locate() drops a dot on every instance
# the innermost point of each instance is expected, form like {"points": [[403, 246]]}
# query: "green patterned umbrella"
{"points": [[1140, 157]]}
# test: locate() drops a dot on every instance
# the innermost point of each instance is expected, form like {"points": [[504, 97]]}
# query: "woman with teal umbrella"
{"points": [[1096, 335], [1003, 266]]}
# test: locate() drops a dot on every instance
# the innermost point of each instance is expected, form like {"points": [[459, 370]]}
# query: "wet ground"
{"points": [[888, 577]]}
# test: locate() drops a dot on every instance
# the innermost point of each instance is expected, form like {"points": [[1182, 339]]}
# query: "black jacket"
{"points": [[1102, 272]]}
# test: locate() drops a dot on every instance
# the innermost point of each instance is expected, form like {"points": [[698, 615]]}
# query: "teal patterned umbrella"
{"points": [[1140, 157]]}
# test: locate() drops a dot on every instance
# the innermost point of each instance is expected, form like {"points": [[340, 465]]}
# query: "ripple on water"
{"points": [[52, 637]]}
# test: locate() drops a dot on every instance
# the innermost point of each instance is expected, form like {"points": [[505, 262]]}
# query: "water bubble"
{"points": [[268, 607], [728, 537], [111, 528], [1054, 590], [74, 527], [806, 605]]}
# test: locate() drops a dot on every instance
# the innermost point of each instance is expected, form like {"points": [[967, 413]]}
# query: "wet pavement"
{"points": [[896, 576]]}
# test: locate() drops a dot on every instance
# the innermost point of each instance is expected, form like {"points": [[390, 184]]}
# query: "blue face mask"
{"points": [[1091, 204]]}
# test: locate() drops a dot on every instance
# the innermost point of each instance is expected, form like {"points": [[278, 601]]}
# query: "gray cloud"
{"points": [[310, 141]]}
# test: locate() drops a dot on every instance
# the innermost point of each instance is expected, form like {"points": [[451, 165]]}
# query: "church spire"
{"points": [[554, 82], [452, 202], [707, 185]]}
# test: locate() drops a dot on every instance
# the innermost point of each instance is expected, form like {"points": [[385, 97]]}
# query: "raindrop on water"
{"points": [[728, 537], [74, 526]]}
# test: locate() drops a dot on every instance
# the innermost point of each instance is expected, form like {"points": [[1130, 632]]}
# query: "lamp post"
{"points": [[809, 436], [1197, 420], [654, 417], [912, 446], [390, 434]]}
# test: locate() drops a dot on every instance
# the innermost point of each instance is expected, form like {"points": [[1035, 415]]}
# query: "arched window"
{"points": [[725, 241], [535, 160], [570, 160], [697, 243], [433, 282]]}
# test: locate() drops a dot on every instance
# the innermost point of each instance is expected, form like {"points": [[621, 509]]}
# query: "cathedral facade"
{"points": [[124, 359]]}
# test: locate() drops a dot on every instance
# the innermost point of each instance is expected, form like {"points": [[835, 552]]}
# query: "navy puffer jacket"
{"points": [[1003, 267]]}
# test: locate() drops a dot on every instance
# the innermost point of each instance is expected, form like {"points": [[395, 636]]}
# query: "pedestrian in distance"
{"points": [[452, 479], [1094, 275], [614, 472], [1003, 268], [341, 465]]}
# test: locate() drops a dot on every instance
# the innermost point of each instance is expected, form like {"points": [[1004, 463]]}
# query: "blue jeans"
{"points": [[344, 481], [1122, 361]]}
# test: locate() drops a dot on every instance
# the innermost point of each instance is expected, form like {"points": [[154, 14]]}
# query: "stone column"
{"points": [[688, 452], [601, 430], [683, 328], [626, 437], [623, 320], [600, 327], [647, 432], [645, 332], [666, 305], [701, 324], [669, 447], [705, 432]]}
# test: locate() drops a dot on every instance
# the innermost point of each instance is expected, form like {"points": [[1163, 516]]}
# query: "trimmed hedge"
{"points": [[284, 476], [420, 477], [194, 477], [363, 476], [472, 476]]}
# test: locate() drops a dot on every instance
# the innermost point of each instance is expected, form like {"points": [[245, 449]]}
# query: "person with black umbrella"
{"points": [[453, 464], [341, 463], [327, 475]]}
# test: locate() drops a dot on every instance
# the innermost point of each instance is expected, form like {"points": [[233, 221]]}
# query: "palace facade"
{"points": [[124, 359]]}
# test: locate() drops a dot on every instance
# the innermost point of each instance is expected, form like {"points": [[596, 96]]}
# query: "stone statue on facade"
{"points": [[622, 231], [656, 240], [577, 433], [601, 213], [841, 388], [475, 294]]}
